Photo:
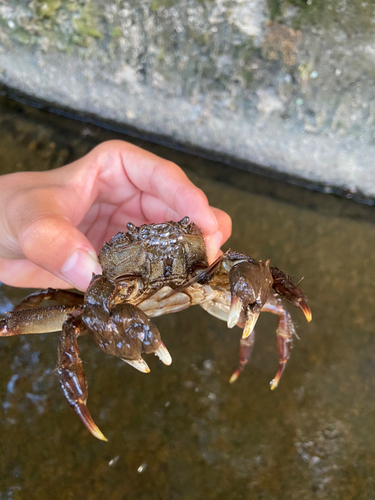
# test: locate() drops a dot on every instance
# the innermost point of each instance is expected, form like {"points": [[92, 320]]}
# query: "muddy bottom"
{"points": [[184, 432]]}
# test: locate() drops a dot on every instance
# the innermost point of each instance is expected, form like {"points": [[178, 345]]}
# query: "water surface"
{"points": [[183, 432]]}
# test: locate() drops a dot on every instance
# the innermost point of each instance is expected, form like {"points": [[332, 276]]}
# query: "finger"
{"points": [[158, 181], [214, 241], [39, 228], [224, 223], [157, 210], [54, 244], [23, 273], [162, 180]]}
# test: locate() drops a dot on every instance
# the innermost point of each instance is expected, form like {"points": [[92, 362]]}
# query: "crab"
{"points": [[148, 271]]}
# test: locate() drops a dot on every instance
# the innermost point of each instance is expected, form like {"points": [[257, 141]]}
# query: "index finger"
{"points": [[166, 181]]}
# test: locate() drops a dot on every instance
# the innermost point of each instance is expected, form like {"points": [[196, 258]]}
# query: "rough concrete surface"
{"points": [[288, 85]]}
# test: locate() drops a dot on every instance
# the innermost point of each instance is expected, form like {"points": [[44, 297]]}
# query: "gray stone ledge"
{"points": [[298, 102]]}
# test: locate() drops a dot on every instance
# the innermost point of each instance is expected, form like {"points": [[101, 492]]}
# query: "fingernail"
{"points": [[78, 269], [213, 244]]}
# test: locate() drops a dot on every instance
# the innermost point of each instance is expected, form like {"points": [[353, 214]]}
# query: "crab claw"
{"points": [[163, 354], [127, 333], [284, 286], [250, 282], [139, 364], [251, 320], [302, 304], [235, 311]]}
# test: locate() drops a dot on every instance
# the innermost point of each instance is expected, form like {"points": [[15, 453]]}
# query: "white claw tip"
{"points": [[163, 354], [249, 325], [273, 384], [139, 364], [235, 312], [98, 434]]}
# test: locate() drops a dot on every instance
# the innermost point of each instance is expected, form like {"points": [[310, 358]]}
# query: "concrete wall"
{"points": [[288, 85]]}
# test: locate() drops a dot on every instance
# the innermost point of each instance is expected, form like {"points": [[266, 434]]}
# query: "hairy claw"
{"points": [[288, 290]]}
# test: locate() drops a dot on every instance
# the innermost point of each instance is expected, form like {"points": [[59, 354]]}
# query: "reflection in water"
{"points": [[184, 432]]}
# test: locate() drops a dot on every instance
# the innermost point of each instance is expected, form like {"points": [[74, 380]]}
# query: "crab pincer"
{"points": [[252, 285], [122, 330], [284, 286], [126, 332], [250, 282]]}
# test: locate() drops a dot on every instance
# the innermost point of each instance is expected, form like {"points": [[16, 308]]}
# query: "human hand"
{"points": [[53, 224]]}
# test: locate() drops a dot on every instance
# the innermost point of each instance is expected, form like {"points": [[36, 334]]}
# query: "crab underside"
{"points": [[152, 270]]}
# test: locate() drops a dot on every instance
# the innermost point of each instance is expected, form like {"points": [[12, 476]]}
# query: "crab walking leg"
{"points": [[246, 349], [72, 377], [284, 335], [41, 320], [65, 297]]}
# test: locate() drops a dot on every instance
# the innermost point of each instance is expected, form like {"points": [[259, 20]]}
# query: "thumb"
{"points": [[54, 244]]}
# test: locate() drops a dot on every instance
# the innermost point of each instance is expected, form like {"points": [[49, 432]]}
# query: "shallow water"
{"points": [[183, 432]]}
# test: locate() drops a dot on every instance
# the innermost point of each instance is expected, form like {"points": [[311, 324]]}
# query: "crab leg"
{"points": [[72, 377], [41, 320], [65, 297], [246, 349], [284, 335]]}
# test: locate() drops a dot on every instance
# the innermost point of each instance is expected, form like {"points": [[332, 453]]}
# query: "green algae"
{"points": [[352, 17], [47, 8]]}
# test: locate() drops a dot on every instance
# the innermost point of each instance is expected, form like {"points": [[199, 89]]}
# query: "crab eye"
{"points": [[131, 228], [185, 221]]}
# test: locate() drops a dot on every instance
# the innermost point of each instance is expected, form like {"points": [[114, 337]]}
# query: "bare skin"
{"points": [[53, 224], [152, 270]]}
